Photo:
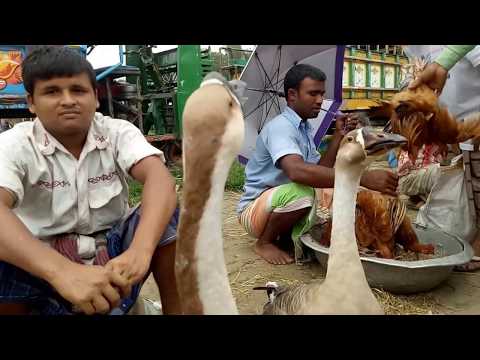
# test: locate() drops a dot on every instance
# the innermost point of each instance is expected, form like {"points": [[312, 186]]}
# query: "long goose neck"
{"points": [[213, 280], [201, 271], [344, 260], [213, 132]]}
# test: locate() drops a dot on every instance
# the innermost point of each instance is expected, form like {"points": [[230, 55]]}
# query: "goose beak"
{"points": [[377, 142], [271, 287]]}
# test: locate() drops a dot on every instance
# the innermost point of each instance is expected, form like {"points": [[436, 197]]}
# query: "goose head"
{"points": [[362, 146], [213, 119]]}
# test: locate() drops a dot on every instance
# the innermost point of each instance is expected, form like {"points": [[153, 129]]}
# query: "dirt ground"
{"points": [[459, 294]]}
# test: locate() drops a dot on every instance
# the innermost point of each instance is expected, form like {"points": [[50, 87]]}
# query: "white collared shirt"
{"points": [[56, 193]]}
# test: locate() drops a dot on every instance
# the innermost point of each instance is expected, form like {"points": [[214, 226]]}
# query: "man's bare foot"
{"points": [[273, 254]]}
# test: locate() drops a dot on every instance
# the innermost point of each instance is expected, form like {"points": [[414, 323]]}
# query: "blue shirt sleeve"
{"points": [[314, 157], [280, 140]]}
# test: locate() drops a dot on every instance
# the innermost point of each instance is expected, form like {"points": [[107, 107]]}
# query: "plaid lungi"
{"points": [[18, 286]]}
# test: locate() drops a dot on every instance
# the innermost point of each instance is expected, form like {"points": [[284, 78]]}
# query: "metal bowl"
{"points": [[406, 277]]}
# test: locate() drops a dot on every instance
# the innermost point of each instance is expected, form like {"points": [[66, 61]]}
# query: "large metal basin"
{"points": [[406, 277]]}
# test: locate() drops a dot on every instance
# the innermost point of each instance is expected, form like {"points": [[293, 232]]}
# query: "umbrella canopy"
{"points": [[264, 74]]}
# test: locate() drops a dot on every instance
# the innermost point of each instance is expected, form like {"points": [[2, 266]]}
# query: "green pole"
{"points": [[189, 77], [397, 72]]}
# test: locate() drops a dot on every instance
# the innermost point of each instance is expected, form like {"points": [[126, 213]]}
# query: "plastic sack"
{"points": [[447, 206]]}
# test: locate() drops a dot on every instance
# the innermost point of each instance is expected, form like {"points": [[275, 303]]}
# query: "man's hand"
{"points": [[92, 289], [132, 265], [434, 76], [345, 123], [383, 181]]}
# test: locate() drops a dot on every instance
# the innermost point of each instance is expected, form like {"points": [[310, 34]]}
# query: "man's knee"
{"points": [[304, 211], [290, 217], [293, 193], [166, 248], [302, 189]]}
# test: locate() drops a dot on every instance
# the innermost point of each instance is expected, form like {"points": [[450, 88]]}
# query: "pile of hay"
{"points": [[416, 304]]}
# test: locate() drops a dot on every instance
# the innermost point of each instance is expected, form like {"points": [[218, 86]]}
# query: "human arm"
{"points": [[285, 153], [90, 288], [319, 176], [435, 74], [159, 201], [452, 54]]}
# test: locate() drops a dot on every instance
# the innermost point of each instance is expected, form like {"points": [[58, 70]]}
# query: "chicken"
{"points": [[417, 115], [380, 223]]}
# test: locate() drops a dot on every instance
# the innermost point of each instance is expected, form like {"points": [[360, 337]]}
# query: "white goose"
{"points": [[345, 289], [213, 132]]}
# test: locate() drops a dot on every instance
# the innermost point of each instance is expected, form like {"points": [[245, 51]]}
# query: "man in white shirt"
{"points": [[68, 240], [461, 95]]}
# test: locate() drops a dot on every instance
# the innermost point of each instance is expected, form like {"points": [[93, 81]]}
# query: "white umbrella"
{"points": [[264, 74]]}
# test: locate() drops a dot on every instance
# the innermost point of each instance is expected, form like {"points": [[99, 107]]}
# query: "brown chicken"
{"points": [[380, 223], [417, 115]]}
